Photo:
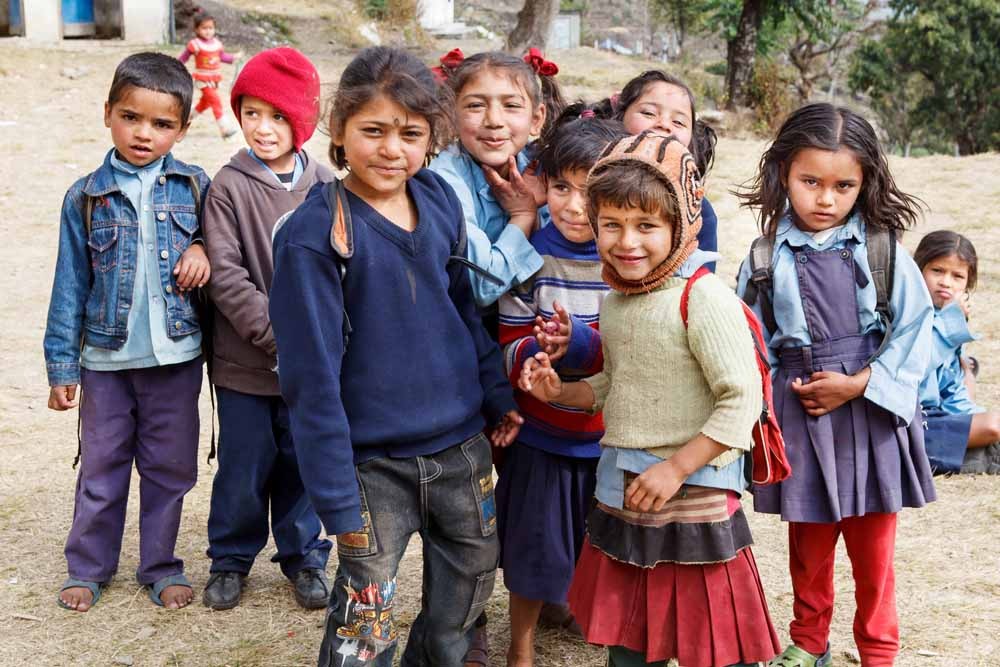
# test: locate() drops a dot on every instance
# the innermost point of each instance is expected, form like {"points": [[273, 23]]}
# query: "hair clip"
{"points": [[537, 62], [614, 101], [449, 61], [587, 113]]}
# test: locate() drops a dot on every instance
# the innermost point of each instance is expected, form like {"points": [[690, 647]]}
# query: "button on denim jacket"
{"points": [[95, 274]]}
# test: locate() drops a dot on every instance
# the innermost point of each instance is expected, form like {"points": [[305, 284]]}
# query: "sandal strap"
{"points": [[158, 586]]}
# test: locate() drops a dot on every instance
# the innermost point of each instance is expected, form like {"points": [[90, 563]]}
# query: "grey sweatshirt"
{"points": [[241, 207]]}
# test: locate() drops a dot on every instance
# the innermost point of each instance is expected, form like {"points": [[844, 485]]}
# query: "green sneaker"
{"points": [[793, 656]]}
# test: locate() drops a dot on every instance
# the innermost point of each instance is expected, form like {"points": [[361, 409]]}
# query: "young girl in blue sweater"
{"points": [[388, 371]]}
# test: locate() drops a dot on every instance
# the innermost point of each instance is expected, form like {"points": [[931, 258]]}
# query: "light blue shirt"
{"points": [[944, 387], [296, 171], [898, 371], [614, 460], [147, 343], [495, 246]]}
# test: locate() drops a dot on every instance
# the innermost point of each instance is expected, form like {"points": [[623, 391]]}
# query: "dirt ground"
{"points": [[51, 133]]}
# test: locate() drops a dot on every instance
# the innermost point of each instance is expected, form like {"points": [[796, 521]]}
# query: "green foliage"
{"points": [[573, 5], [375, 9], [769, 95], [717, 68], [938, 64]]}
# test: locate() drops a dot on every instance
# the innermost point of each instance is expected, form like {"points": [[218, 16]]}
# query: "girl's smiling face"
{"points": [[496, 118], [947, 278], [663, 108], [822, 187], [384, 146]]}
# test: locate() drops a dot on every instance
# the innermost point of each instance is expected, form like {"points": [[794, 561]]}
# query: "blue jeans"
{"points": [[258, 468], [447, 498]]}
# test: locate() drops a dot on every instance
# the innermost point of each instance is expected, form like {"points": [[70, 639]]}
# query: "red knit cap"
{"points": [[288, 81]]}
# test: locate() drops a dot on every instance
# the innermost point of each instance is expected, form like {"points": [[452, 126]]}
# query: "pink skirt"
{"points": [[703, 615]]}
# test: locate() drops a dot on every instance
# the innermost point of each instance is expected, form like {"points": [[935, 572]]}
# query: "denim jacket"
{"points": [[95, 273]]}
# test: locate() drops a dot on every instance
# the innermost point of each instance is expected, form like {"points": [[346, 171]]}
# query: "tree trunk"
{"points": [[740, 52], [534, 22]]}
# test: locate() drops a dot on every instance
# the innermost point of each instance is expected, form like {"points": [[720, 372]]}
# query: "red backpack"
{"points": [[769, 464]]}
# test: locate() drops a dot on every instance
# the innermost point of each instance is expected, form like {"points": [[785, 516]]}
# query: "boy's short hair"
{"points": [[576, 139], [630, 185], [154, 71]]}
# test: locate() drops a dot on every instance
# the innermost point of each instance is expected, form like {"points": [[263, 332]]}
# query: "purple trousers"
{"points": [[149, 415]]}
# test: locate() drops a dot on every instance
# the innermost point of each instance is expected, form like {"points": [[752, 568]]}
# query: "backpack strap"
{"points": [[882, 246], [686, 294], [760, 284], [459, 252]]}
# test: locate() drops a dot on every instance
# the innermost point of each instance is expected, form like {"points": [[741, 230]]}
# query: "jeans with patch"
{"points": [[447, 498]]}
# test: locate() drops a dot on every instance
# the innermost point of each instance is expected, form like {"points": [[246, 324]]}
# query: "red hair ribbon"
{"points": [[449, 61], [587, 113], [537, 61]]}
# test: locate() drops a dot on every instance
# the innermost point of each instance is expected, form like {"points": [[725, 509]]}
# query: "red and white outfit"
{"points": [[208, 58]]}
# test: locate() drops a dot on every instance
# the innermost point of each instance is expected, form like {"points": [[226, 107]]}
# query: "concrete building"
{"points": [[139, 21]]}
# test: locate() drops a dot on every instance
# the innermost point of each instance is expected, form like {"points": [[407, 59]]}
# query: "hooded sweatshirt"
{"points": [[241, 208]]}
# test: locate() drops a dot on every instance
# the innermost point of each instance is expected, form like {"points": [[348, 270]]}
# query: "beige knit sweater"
{"points": [[662, 384]]}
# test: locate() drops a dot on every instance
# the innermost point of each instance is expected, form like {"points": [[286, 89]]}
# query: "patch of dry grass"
{"points": [[947, 557]]}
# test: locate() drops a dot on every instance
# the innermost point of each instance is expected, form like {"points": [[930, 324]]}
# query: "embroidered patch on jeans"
{"points": [[368, 627], [488, 504], [359, 539]]}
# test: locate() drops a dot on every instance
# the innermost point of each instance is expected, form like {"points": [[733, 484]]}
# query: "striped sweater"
{"points": [[571, 275]]}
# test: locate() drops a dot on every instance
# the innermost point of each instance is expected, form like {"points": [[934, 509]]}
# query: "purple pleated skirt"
{"points": [[860, 458]]}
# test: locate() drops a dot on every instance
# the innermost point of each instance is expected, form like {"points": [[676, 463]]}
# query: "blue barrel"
{"points": [[78, 18], [16, 20]]}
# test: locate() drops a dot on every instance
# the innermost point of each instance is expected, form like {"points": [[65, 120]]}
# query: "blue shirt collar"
{"points": [[127, 167], [697, 259], [791, 235]]}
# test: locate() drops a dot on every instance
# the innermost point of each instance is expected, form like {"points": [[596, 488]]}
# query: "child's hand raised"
{"points": [[826, 390], [553, 335], [965, 303], [192, 269], [63, 397], [515, 196], [506, 431], [536, 184], [539, 379], [651, 490]]}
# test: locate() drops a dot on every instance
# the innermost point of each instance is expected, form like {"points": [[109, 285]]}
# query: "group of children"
{"points": [[467, 298]]}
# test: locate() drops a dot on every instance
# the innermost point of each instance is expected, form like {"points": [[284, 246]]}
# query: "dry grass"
{"points": [[947, 562]]}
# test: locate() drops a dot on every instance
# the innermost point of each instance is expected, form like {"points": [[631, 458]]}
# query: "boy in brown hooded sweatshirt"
{"points": [[276, 99]]}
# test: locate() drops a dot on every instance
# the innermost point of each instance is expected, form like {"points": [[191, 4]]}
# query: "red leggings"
{"points": [[210, 98], [871, 544]]}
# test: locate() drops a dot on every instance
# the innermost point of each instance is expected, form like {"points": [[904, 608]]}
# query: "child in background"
{"points": [[845, 390], [501, 102], [276, 98], [658, 101], [387, 370], [666, 571], [121, 326], [208, 58], [959, 433], [547, 481]]}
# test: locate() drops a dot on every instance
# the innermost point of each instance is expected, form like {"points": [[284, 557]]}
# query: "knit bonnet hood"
{"points": [[669, 161]]}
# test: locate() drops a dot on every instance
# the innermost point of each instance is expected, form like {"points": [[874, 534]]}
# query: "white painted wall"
{"points": [[146, 21], [436, 13], [43, 20]]}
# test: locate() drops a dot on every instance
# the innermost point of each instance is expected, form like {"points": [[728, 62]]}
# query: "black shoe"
{"points": [[223, 590], [312, 588]]}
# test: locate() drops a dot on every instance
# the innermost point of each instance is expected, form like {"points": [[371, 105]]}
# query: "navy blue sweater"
{"points": [[419, 370]]}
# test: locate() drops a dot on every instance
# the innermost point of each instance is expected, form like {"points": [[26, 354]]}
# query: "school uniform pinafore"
{"points": [[859, 458]]}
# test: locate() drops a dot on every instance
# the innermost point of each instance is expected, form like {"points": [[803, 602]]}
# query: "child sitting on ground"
{"points": [[276, 98], [960, 435], [122, 328], [666, 571], [547, 481]]}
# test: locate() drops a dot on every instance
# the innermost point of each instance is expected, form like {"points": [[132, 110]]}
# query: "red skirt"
{"points": [[703, 615]]}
